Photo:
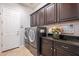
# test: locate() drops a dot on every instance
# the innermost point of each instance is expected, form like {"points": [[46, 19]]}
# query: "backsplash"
{"points": [[70, 28]]}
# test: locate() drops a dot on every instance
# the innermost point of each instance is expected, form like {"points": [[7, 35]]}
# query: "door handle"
{"points": [[17, 32]]}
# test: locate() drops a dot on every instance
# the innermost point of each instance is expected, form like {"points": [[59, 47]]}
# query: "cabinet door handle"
{"points": [[65, 47], [51, 48], [54, 50]]}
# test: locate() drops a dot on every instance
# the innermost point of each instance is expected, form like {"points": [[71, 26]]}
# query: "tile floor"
{"points": [[22, 51]]}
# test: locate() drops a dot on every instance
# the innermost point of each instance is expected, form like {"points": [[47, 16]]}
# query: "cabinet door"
{"points": [[1, 22], [50, 14], [47, 49], [41, 17], [38, 18], [66, 11], [34, 19], [61, 52], [63, 49], [78, 10]]}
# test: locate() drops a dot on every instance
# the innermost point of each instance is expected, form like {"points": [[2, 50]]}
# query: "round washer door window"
{"points": [[31, 35]]}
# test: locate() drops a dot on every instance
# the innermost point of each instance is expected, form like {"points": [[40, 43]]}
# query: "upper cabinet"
{"points": [[37, 18], [66, 11], [77, 10], [41, 17], [33, 20], [55, 12], [44, 16], [50, 13]]}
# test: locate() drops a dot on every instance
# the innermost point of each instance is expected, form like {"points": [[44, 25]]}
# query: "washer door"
{"points": [[26, 34], [31, 35], [26, 38]]}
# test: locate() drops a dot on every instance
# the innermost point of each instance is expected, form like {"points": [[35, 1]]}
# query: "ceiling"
{"points": [[30, 5]]}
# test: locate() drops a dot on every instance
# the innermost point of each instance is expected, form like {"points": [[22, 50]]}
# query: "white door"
{"points": [[11, 27], [0, 26]]}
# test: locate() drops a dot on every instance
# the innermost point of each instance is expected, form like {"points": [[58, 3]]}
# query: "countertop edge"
{"points": [[63, 41]]}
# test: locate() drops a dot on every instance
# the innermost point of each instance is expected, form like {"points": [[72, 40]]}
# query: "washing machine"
{"points": [[34, 40], [26, 38]]}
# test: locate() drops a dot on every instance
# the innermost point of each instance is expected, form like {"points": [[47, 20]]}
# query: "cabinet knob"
{"points": [[51, 48], [54, 50]]}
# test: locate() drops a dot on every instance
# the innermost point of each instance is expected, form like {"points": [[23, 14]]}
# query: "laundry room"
{"points": [[39, 29]]}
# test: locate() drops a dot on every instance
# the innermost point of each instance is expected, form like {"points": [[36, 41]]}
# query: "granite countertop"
{"points": [[64, 41]]}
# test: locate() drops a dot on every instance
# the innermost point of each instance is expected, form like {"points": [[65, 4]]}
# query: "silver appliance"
{"points": [[26, 37], [34, 39]]}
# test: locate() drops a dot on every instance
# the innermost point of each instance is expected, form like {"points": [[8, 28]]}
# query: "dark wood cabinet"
{"points": [[41, 17], [33, 20], [61, 52], [47, 47], [53, 47], [38, 19], [50, 14], [66, 11], [55, 12], [63, 49], [44, 16], [77, 10]]}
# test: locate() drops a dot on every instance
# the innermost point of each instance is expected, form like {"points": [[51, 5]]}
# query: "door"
{"points": [[10, 26], [77, 10], [33, 37], [37, 18], [50, 13], [34, 19], [0, 26], [66, 11], [61, 52], [47, 48], [41, 17]]}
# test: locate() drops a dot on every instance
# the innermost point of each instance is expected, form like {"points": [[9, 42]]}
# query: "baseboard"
{"points": [[21, 46]]}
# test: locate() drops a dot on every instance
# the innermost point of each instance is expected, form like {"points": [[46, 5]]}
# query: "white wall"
{"points": [[39, 6], [24, 17]]}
